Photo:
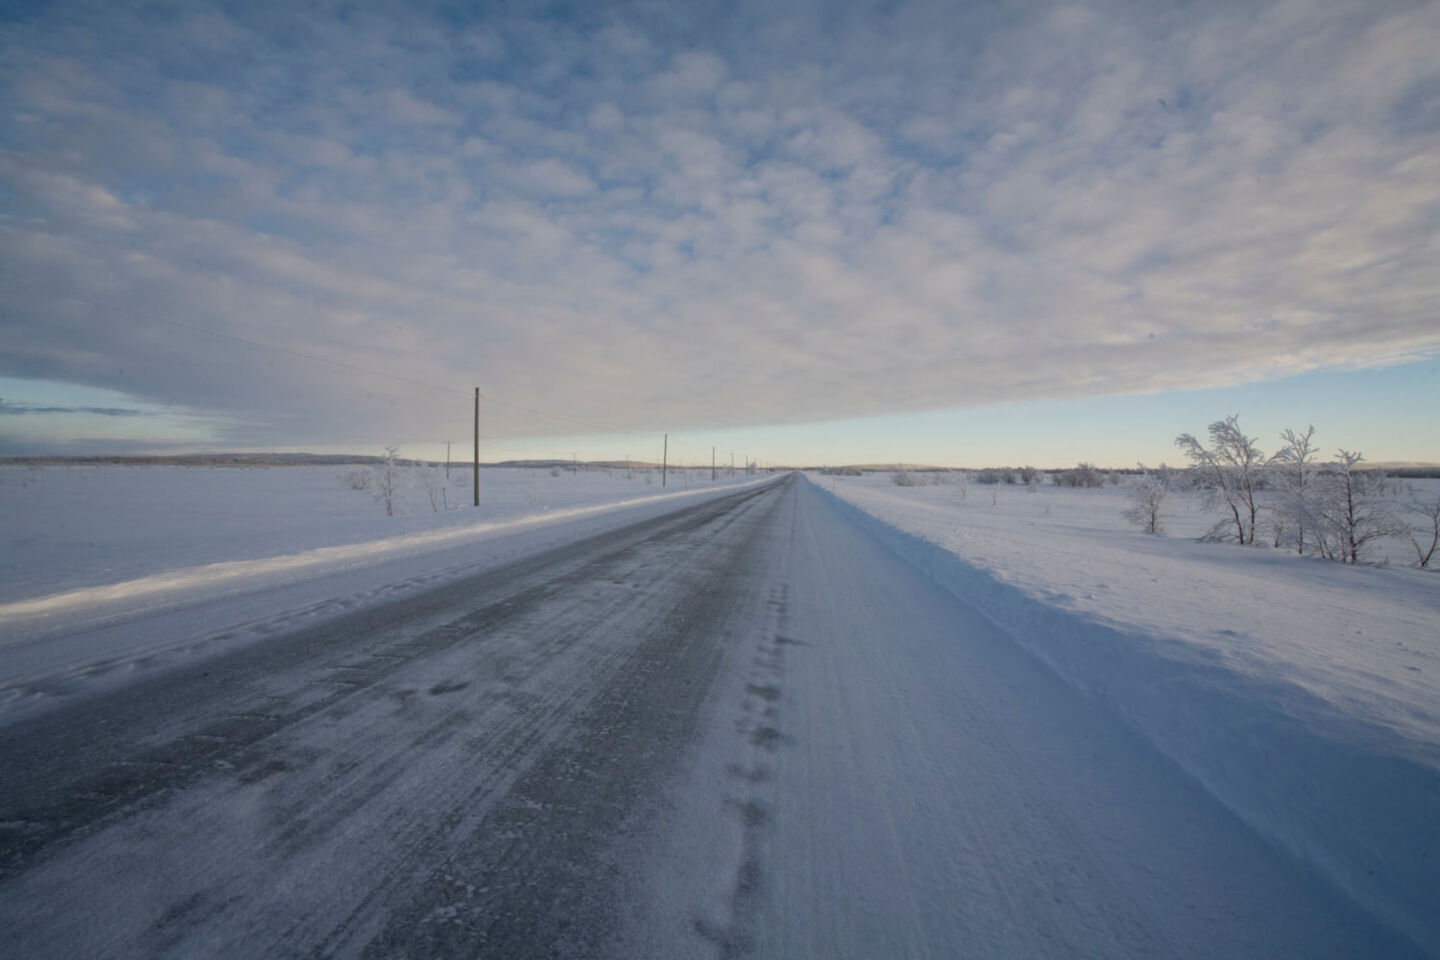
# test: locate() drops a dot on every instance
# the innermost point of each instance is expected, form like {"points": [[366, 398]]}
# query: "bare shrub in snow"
{"points": [[1085, 475], [1147, 503], [995, 475], [356, 479], [903, 478], [1430, 510], [433, 480], [1230, 470]]}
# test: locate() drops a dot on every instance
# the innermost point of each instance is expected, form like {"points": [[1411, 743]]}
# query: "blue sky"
{"points": [[925, 231]]}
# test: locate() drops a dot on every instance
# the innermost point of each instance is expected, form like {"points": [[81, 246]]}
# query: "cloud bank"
{"points": [[638, 217]]}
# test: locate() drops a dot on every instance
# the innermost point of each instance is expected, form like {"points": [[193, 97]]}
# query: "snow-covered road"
{"points": [[739, 728]]}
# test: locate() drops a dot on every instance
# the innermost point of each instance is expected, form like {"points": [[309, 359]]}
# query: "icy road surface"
{"points": [[739, 729]]}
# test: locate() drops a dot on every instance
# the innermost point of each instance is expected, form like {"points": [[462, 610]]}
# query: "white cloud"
{"points": [[692, 74], [911, 209]]}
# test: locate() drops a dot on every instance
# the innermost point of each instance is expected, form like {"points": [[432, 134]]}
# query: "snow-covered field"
{"points": [[69, 527], [1303, 694]]}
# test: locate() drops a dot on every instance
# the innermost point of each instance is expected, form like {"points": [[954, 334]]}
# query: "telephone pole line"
{"points": [[447, 459], [477, 447], [665, 460], [712, 464]]}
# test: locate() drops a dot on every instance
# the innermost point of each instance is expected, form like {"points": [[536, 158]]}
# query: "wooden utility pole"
{"points": [[447, 459], [477, 447], [712, 464], [732, 464], [665, 460]]}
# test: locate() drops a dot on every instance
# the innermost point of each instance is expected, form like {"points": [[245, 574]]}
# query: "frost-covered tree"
{"points": [[1147, 503], [1297, 509], [386, 481], [1230, 470], [1354, 511]]}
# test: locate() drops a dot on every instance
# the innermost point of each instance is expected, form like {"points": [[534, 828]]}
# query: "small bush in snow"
{"points": [[903, 478], [995, 475], [433, 480], [1147, 501], [356, 479]]}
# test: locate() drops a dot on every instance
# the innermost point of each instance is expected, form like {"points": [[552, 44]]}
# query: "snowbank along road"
{"points": [[739, 729]]}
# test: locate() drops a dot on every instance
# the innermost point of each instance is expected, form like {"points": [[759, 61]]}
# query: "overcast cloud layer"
{"points": [[645, 216]]}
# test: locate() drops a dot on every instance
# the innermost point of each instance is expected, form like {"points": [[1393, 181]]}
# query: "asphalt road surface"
{"points": [[739, 729]]}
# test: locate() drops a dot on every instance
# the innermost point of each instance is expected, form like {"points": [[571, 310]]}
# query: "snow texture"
{"points": [[737, 726], [1304, 695]]}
